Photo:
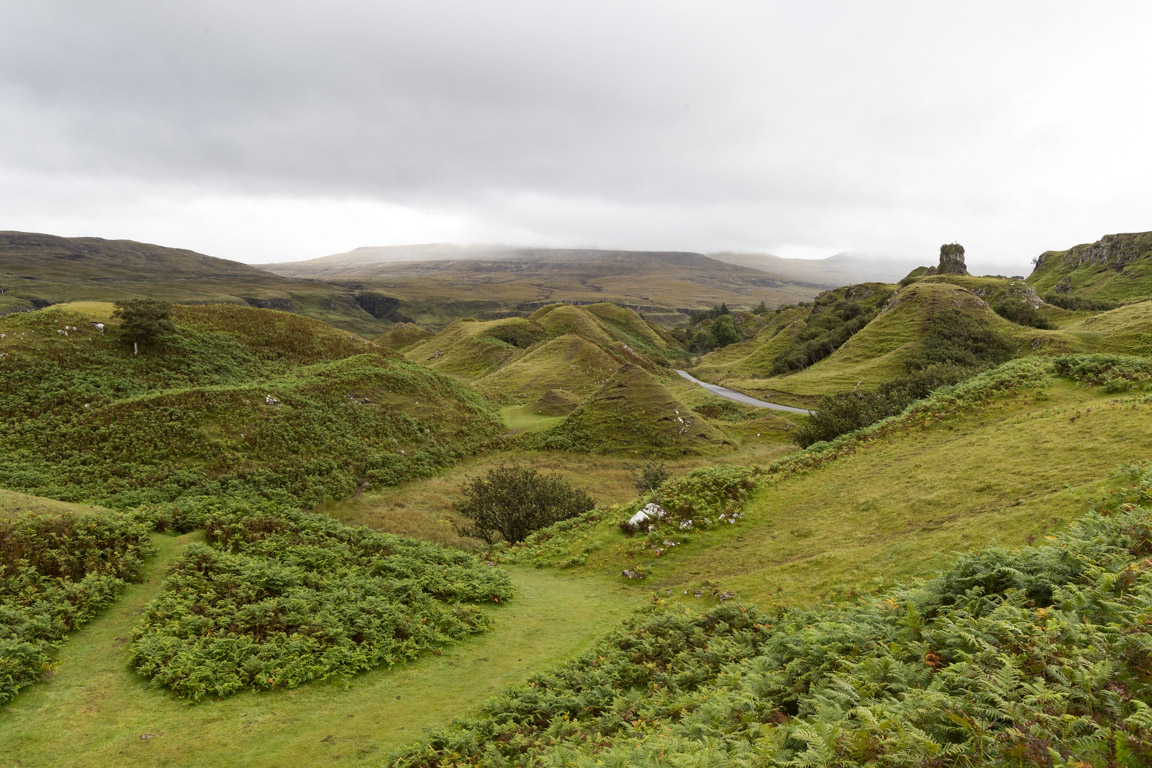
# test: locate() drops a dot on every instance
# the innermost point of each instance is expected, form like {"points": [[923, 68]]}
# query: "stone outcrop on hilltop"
{"points": [[951, 261]]}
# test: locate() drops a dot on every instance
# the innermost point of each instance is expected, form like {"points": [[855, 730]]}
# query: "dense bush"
{"points": [[57, 572], [1022, 313], [1075, 303], [144, 321], [277, 599], [512, 502], [1035, 657]]}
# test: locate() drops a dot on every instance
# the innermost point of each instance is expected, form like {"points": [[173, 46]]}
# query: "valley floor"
{"points": [[91, 710]]}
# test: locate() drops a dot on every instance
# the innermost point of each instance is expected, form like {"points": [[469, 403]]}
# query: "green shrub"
{"points": [[56, 573], [1022, 313], [649, 477], [143, 322], [276, 599], [512, 502]]}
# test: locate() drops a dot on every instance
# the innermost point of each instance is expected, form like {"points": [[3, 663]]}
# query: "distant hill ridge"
{"points": [[38, 270], [22, 251]]}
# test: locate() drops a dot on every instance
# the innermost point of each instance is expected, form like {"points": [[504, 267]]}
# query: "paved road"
{"points": [[741, 398]]}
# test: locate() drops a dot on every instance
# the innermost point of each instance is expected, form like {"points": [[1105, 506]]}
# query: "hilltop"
{"points": [[38, 270]]}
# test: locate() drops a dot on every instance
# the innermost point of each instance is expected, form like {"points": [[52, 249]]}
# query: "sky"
{"points": [[278, 131]]}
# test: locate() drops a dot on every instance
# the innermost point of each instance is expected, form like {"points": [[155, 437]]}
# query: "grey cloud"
{"points": [[699, 125]]}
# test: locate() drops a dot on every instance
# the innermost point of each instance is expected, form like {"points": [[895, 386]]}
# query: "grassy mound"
{"points": [[556, 402], [633, 413], [881, 350], [238, 400], [401, 336], [1005, 658], [470, 348], [566, 362], [276, 600], [618, 329], [58, 568]]}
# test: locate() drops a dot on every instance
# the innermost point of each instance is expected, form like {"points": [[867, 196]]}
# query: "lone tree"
{"points": [[515, 501], [725, 332], [144, 321]]}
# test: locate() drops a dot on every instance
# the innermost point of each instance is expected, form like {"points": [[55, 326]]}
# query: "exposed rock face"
{"points": [[951, 261], [1112, 251]]}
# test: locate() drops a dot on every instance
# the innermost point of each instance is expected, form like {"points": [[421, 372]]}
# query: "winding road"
{"points": [[729, 394]]}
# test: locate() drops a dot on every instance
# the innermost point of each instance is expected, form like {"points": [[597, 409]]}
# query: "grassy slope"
{"points": [[566, 362], [423, 508], [878, 351], [13, 503], [86, 419], [106, 710], [903, 503], [43, 268]]}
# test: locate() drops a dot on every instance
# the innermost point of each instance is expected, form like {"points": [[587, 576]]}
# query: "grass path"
{"points": [[93, 711]]}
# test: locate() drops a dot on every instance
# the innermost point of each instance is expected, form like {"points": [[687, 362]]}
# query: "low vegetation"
{"points": [[273, 600], [57, 571], [1005, 658]]}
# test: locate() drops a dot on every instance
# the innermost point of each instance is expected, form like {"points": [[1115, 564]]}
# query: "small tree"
{"points": [[143, 321], [725, 332], [515, 501], [649, 477]]}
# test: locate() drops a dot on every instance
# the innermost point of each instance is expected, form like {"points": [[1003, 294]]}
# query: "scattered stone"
{"points": [[650, 513], [269, 400], [633, 574]]}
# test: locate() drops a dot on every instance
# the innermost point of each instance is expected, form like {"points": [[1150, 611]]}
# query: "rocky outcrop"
{"points": [[1112, 251], [951, 261]]}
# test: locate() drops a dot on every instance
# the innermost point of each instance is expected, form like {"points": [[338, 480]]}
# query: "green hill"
{"points": [[238, 398], [39, 270], [875, 353], [634, 414], [567, 362], [472, 349], [1115, 268], [401, 336]]}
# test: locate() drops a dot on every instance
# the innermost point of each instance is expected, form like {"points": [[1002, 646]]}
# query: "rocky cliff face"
{"points": [[1111, 251]]}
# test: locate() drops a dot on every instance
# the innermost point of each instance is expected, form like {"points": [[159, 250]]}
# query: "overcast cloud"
{"points": [[271, 131]]}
